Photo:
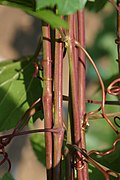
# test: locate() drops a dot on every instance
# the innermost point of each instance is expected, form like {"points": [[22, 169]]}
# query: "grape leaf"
{"points": [[37, 8], [18, 90], [65, 7], [48, 16]]}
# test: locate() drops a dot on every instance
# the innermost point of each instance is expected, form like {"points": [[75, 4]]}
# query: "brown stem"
{"points": [[82, 81], [58, 117], [47, 97], [22, 133], [74, 89]]}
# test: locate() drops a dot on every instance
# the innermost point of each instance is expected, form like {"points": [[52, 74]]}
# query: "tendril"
{"points": [[106, 171], [107, 152], [114, 89], [103, 90], [6, 139], [67, 40], [35, 74], [116, 118]]}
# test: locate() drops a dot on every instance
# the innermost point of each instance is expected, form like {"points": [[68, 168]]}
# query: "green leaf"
{"points": [[64, 7], [48, 16], [18, 90], [29, 7], [7, 176]]}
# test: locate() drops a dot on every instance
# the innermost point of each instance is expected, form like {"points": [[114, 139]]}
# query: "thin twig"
{"points": [[70, 45]]}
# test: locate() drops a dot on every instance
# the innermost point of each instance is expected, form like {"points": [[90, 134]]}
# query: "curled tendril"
{"points": [[36, 72], [116, 118], [67, 40], [36, 75], [114, 89], [6, 139], [106, 171], [113, 173], [88, 158], [102, 107], [107, 152]]}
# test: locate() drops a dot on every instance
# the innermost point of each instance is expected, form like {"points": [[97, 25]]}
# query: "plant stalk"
{"points": [[58, 114], [47, 97], [82, 82], [74, 91]]}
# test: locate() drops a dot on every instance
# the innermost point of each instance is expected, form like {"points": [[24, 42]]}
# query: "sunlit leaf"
{"points": [[37, 8], [29, 7], [18, 90], [64, 7], [48, 16]]}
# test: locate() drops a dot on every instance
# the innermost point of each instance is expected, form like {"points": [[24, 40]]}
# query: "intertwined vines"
{"points": [[80, 156], [112, 89]]}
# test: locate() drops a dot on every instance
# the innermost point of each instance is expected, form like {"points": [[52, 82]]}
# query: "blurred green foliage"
{"points": [[100, 135]]}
